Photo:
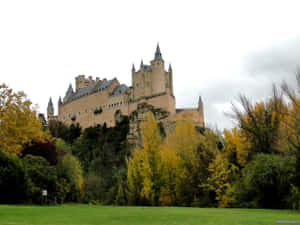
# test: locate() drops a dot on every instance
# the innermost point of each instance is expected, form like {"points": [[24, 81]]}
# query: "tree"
{"points": [[260, 123], [266, 181], [236, 147], [19, 124], [67, 133], [44, 149], [183, 142], [14, 181], [220, 180], [69, 168], [144, 167], [42, 176]]}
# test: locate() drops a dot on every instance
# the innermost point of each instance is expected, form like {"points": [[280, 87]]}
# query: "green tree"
{"points": [[69, 168], [14, 181], [266, 181], [42, 176]]}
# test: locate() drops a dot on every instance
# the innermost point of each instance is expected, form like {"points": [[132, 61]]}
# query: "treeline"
{"points": [[254, 165]]}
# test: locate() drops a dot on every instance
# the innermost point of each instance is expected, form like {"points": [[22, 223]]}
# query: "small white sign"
{"points": [[44, 193]]}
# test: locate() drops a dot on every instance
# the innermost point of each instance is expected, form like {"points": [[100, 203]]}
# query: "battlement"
{"points": [[81, 81]]}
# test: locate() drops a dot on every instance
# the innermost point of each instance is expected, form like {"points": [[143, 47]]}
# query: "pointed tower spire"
{"points": [[50, 109], [158, 55], [170, 67], [50, 104], [201, 111], [133, 68], [59, 100], [142, 64]]}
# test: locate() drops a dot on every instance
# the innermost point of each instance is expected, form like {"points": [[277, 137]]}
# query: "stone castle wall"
{"points": [[90, 104]]}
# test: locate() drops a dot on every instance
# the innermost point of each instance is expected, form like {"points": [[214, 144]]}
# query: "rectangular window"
{"points": [[148, 83]]}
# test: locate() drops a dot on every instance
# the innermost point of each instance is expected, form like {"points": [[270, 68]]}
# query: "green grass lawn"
{"points": [[70, 214]]}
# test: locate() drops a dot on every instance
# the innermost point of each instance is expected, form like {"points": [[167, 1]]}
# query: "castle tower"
{"points": [[200, 110], [169, 80], [59, 105], [158, 78], [81, 81], [50, 110]]}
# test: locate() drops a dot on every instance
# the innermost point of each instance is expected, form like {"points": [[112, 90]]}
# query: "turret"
{"points": [[142, 65], [200, 110], [158, 63], [133, 68], [158, 55], [170, 68], [59, 105], [50, 109], [59, 101]]}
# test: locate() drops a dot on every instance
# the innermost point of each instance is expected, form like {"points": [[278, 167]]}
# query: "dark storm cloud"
{"points": [[277, 61]]}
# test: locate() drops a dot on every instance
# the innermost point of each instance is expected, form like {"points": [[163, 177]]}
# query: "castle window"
{"points": [[137, 84], [85, 110], [147, 83], [120, 103], [167, 85]]}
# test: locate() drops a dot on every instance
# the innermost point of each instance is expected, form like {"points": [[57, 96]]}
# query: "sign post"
{"points": [[44, 194]]}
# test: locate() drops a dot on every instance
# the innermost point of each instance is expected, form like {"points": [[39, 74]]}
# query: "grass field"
{"points": [[90, 215]]}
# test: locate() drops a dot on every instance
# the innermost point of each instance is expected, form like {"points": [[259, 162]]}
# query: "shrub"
{"points": [[14, 182]]}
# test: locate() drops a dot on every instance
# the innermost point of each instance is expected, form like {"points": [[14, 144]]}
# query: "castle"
{"points": [[96, 101]]}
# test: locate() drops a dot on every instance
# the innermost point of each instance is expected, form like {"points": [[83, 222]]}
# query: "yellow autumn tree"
{"points": [[259, 123], [145, 167], [171, 169], [180, 154], [19, 124], [290, 125], [236, 146], [220, 179]]}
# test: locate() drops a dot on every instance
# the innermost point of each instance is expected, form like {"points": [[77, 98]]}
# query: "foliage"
{"points": [[260, 123], [42, 176], [102, 152], [14, 182], [266, 181], [63, 188], [236, 147], [69, 168], [219, 181], [19, 124], [147, 162], [45, 149], [68, 133]]}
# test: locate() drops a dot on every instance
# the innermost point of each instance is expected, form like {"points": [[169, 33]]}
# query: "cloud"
{"points": [[278, 61]]}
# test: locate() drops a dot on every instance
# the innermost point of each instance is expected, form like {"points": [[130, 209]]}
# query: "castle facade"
{"points": [[96, 101]]}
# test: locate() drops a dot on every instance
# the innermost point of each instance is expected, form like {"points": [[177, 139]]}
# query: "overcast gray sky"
{"points": [[218, 49]]}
